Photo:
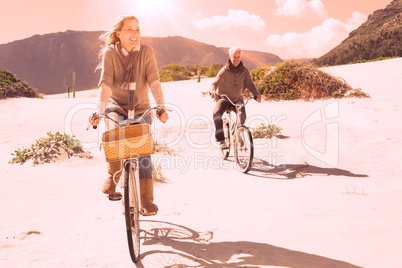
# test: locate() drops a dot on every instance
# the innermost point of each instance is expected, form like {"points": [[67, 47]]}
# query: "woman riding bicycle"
{"points": [[231, 80], [126, 60]]}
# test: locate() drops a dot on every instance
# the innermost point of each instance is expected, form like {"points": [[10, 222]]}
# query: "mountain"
{"points": [[47, 61], [379, 36], [183, 51]]}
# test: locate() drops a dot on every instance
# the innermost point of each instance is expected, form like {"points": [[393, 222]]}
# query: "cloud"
{"points": [[234, 19], [301, 9], [316, 42]]}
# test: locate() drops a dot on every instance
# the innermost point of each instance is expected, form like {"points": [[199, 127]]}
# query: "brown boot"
{"points": [[148, 208], [109, 186]]}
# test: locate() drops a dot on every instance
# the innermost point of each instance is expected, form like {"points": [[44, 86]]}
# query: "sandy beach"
{"points": [[327, 195]]}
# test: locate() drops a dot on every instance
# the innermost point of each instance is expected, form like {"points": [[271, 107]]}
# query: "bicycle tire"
{"points": [[226, 131], [132, 212], [244, 149]]}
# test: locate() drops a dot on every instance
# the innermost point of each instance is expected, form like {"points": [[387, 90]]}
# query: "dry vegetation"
{"points": [[291, 81], [13, 87]]}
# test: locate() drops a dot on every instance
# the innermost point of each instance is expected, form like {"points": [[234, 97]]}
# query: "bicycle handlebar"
{"points": [[128, 121], [236, 104]]}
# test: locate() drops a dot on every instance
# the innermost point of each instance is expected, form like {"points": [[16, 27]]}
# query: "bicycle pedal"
{"points": [[148, 214], [115, 197]]}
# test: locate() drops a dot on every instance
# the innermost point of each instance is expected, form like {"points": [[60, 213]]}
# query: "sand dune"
{"points": [[327, 196]]}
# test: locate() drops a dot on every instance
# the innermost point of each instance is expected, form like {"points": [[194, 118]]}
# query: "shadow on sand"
{"points": [[188, 248], [262, 168]]}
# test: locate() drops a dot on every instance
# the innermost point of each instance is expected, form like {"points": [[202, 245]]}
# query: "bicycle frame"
{"points": [[234, 124], [130, 181], [239, 136]]}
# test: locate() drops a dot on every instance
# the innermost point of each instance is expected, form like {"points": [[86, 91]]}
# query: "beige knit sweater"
{"points": [[146, 75]]}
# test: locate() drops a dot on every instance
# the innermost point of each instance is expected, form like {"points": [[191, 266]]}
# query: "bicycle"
{"points": [[126, 143], [238, 136]]}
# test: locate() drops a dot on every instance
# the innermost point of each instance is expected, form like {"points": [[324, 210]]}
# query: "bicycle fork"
{"points": [[133, 168]]}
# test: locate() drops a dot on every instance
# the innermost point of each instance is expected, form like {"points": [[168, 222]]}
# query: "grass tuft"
{"points": [[157, 175], [163, 148]]}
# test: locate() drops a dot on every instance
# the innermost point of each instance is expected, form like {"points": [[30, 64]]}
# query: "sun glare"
{"points": [[154, 13], [152, 6]]}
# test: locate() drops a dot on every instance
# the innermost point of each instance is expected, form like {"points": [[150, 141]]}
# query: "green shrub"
{"points": [[176, 72], [213, 70], [266, 131], [49, 149]]}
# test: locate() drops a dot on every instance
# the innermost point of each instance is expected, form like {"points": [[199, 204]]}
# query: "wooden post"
{"points": [[199, 75], [73, 84]]}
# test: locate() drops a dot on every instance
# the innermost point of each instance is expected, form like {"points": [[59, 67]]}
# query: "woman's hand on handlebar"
{"points": [[258, 98], [162, 115], [94, 119]]}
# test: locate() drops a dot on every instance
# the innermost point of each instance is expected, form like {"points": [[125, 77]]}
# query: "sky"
{"points": [[287, 28]]}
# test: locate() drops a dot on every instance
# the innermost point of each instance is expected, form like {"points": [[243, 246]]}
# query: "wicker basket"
{"points": [[128, 142]]}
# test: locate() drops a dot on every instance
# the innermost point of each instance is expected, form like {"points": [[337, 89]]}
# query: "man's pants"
{"points": [[222, 105]]}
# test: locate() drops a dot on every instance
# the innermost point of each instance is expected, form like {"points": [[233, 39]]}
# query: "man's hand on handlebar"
{"points": [[215, 96]]}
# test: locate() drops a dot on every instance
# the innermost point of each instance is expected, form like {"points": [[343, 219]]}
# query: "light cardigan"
{"points": [[146, 75]]}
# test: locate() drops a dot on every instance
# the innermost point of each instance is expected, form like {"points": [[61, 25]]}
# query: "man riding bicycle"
{"points": [[231, 80]]}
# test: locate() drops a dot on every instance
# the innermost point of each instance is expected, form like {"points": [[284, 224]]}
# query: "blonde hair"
{"points": [[110, 37]]}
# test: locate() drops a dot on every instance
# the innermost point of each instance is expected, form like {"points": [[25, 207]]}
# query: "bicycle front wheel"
{"points": [[244, 149], [132, 212]]}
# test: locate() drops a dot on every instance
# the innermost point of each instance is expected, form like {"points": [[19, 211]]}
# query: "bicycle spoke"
{"points": [[244, 151], [132, 213]]}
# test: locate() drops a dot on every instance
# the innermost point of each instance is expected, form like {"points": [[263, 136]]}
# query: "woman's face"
{"points": [[129, 35]]}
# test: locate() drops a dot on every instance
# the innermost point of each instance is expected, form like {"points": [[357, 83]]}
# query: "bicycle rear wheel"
{"points": [[226, 131], [244, 149], [132, 212]]}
